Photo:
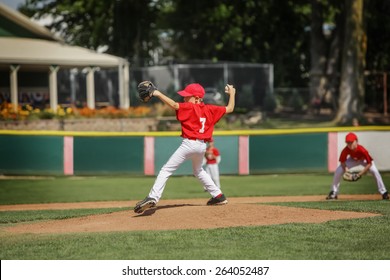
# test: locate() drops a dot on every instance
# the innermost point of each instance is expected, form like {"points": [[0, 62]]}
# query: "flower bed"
{"points": [[27, 112], [90, 124], [26, 117]]}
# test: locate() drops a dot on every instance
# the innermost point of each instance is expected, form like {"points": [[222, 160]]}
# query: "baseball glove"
{"points": [[145, 90], [351, 177]]}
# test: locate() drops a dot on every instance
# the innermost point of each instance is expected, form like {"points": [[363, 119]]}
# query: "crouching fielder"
{"points": [[355, 155]]}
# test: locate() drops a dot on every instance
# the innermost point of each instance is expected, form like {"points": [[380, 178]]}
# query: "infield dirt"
{"points": [[185, 214]]}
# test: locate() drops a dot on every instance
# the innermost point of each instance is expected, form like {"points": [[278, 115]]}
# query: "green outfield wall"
{"points": [[242, 152], [25, 154], [108, 155], [227, 146], [288, 153]]}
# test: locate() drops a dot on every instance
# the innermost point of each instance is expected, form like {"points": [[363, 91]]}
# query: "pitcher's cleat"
{"points": [[145, 204], [331, 196], [218, 200], [385, 196]]}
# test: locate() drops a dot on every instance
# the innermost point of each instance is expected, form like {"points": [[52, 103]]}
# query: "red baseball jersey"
{"points": [[359, 154], [198, 120]]}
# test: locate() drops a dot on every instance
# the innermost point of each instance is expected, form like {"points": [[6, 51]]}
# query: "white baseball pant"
{"points": [[350, 163], [213, 171], [189, 149]]}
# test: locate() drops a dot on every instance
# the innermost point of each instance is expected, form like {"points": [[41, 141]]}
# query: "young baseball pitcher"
{"points": [[354, 155], [197, 124]]}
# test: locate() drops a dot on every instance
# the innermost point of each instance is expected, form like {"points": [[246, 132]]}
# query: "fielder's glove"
{"points": [[145, 90], [351, 177]]}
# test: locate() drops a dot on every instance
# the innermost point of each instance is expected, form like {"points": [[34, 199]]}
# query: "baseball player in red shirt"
{"points": [[197, 124], [356, 155], [212, 158]]}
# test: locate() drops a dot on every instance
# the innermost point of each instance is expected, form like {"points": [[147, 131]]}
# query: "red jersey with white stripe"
{"points": [[198, 120], [360, 153]]}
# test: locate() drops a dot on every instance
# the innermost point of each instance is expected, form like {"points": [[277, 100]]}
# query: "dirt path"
{"points": [[185, 214]]}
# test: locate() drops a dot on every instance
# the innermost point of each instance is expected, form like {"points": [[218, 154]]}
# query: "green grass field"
{"points": [[356, 239]]}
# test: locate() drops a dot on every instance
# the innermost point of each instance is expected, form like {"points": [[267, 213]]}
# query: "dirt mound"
{"points": [[185, 214]]}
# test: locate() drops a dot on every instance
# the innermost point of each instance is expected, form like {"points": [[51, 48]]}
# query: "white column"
{"points": [[91, 88], [176, 77], [126, 79], [53, 87], [14, 86], [271, 79], [226, 74], [121, 87], [73, 73]]}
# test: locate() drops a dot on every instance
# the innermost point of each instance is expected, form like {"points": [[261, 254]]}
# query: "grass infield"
{"points": [[356, 239]]}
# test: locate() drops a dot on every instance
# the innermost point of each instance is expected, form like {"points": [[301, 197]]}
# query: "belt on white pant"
{"points": [[194, 139]]}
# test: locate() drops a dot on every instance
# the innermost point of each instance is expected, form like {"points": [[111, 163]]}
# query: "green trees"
{"points": [[123, 27], [81, 22], [338, 59], [352, 63], [293, 35]]}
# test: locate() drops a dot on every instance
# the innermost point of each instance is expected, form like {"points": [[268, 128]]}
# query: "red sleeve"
{"points": [[217, 112], [365, 153], [344, 154]]}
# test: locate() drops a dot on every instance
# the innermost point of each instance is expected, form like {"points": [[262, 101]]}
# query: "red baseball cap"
{"points": [[192, 90], [350, 137]]}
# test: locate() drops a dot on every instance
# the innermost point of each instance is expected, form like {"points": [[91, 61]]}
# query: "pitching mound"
{"points": [[185, 214]]}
